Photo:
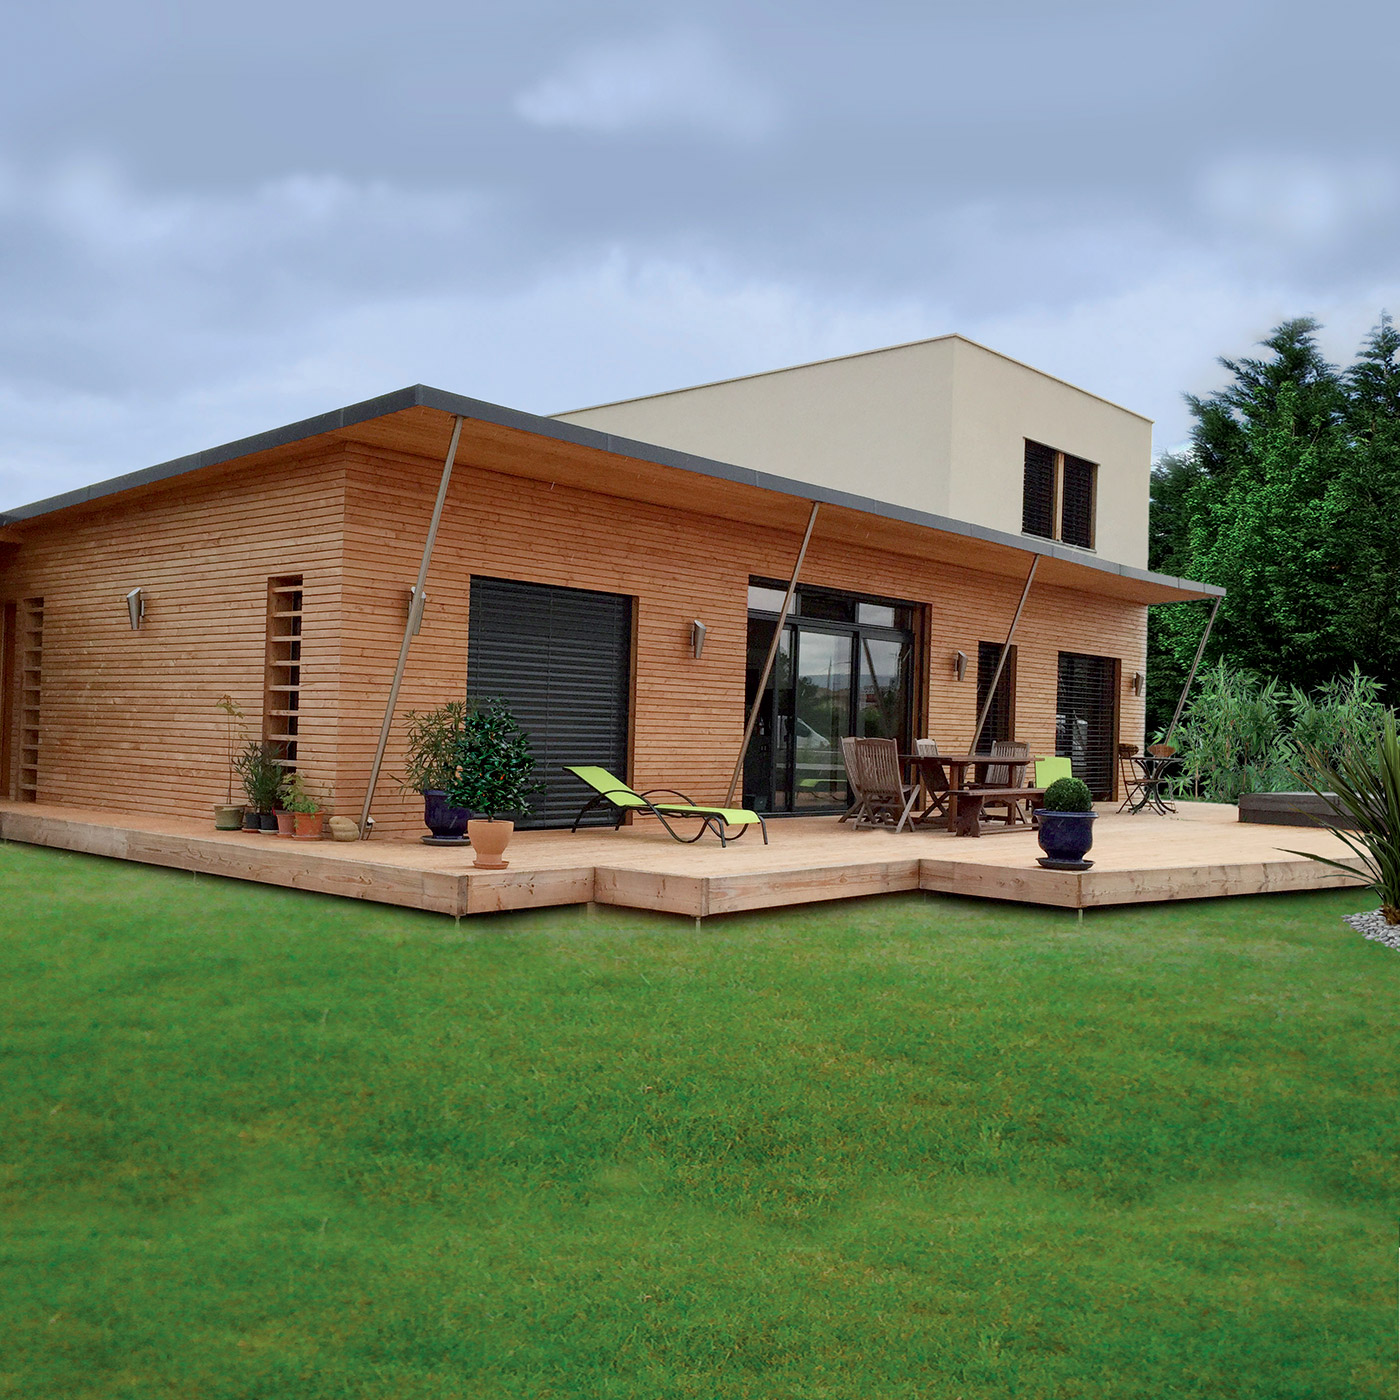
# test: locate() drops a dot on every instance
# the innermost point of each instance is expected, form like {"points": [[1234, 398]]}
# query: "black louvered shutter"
{"points": [[1077, 506], [1038, 495], [998, 725], [1085, 719], [561, 659]]}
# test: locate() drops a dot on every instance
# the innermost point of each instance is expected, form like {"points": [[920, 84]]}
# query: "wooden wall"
{"points": [[688, 715], [129, 717]]}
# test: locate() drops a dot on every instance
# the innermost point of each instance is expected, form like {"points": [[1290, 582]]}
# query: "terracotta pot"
{"points": [[307, 825], [228, 817], [489, 839], [284, 824]]}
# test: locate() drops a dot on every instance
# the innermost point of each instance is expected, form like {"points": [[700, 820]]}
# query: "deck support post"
{"points": [[1186, 689], [415, 614], [1005, 652], [772, 656]]}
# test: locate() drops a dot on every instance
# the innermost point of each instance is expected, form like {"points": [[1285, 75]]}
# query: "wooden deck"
{"points": [[1201, 853]]}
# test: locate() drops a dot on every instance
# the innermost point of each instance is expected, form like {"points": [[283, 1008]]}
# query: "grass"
{"points": [[255, 1143]]}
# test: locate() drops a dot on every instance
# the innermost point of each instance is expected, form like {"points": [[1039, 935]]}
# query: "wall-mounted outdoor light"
{"points": [[697, 638], [136, 608], [1139, 681], [960, 664], [417, 601]]}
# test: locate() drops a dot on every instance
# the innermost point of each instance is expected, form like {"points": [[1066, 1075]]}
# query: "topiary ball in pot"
{"points": [[1066, 830]]}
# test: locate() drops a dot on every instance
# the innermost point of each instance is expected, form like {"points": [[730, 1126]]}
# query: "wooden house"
{"points": [[616, 574]]}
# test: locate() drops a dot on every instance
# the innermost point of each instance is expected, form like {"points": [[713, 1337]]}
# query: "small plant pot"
{"points": [[267, 823], [284, 825], [250, 820], [446, 822], [1065, 837], [227, 817], [307, 825], [489, 840]]}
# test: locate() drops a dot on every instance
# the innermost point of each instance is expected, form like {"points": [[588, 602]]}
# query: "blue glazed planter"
{"points": [[1065, 837], [447, 823]]}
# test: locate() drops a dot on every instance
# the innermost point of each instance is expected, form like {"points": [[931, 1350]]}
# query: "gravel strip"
{"points": [[1374, 927]]}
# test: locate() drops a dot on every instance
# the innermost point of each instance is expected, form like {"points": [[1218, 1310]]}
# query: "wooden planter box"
{"points": [[1288, 809]]}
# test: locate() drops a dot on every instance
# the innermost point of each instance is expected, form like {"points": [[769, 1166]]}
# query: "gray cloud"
{"points": [[212, 223]]}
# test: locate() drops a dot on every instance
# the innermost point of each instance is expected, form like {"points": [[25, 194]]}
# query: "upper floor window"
{"points": [[1057, 501]]}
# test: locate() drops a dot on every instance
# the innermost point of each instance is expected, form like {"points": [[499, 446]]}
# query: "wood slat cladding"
{"points": [[687, 715], [129, 718]]}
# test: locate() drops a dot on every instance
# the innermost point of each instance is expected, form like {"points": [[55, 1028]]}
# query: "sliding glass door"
{"points": [[845, 665]]}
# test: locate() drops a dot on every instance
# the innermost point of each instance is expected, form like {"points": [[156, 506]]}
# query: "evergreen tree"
{"points": [[1289, 498]]}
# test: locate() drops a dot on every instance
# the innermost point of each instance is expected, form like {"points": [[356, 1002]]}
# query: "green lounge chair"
{"points": [[614, 791]]}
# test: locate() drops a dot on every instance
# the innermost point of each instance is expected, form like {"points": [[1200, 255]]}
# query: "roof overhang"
{"points": [[417, 421]]}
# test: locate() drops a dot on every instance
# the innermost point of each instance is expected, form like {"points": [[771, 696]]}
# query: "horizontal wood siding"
{"points": [[128, 718], [687, 715]]}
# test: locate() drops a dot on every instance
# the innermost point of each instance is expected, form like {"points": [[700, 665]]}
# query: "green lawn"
{"points": [[263, 1144]]}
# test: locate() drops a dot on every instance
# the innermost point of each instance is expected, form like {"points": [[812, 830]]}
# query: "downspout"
{"points": [[1005, 652], [1200, 652], [415, 614], [772, 655]]}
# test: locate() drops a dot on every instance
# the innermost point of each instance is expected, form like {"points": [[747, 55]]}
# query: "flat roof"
{"points": [[860, 355], [424, 396]]}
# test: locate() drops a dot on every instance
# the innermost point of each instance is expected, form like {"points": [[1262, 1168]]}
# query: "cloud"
{"points": [[1296, 200], [678, 80]]}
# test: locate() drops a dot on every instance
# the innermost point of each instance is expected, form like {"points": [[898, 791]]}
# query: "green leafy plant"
{"points": [[261, 774], [494, 764], [1068, 795], [296, 797], [1364, 788], [432, 763], [232, 717]]}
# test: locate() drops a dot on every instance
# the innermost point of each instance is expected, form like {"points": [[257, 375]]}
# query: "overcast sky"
{"points": [[218, 219]]}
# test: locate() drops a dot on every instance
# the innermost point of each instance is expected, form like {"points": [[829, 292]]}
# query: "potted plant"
{"points": [[261, 774], [228, 816], [1066, 829], [305, 809], [431, 767], [494, 774]]}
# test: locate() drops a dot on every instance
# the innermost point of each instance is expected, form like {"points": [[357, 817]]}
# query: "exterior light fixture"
{"points": [[1139, 681], [136, 608], [697, 638], [417, 601], [960, 664]]}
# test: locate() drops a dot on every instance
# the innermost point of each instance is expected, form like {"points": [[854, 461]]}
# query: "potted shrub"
{"points": [[261, 774], [494, 773], [1066, 829], [305, 809], [228, 816], [431, 767]]}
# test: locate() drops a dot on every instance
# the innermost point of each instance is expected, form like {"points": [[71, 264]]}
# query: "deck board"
{"points": [[1200, 853]]}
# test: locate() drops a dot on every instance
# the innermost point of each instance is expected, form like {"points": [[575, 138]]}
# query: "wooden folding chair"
{"points": [[885, 797], [1008, 775]]}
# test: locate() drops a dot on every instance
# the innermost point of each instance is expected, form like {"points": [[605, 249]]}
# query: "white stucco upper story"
{"points": [[938, 425]]}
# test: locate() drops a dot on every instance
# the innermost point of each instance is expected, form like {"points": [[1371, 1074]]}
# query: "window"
{"points": [[1001, 717], [1057, 500], [282, 690]]}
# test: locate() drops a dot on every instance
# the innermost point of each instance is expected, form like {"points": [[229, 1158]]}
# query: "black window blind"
{"points": [[1085, 719], [561, 659], [1038, 495], [1077, 506], [999, 717]]}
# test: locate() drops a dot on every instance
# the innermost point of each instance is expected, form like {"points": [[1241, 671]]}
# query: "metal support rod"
{"points": [[1005, 652], [1200, 652], [772, 655], [408, 628]]}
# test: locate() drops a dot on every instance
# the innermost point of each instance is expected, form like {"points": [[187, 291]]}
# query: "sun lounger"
{"points": [[623, 799]]}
